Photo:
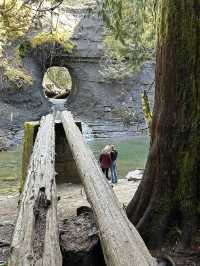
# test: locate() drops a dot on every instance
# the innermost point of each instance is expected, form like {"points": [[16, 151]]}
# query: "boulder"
{"points": [[135, 175]]}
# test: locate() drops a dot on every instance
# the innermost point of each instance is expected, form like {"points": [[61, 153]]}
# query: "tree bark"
{"points": [[121, 243], [169, 193], [35, 240]]}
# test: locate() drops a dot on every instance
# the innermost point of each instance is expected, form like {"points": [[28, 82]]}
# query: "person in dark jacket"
{"points": [[113, 156], [105, 160]]}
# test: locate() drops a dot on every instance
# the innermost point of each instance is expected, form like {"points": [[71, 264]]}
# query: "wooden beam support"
{"points": [[121, 243], [35, 240], [30, 132]]}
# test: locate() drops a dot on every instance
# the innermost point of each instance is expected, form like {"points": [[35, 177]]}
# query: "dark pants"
{"points": [[105, 171]]}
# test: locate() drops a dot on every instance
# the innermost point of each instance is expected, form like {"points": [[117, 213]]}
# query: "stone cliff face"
{"points": [[93, 98], [20, 105]]}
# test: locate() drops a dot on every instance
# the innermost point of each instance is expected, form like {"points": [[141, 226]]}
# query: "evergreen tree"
{"points": [[169, 193]]}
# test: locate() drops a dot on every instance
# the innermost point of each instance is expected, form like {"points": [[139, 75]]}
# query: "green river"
{"points": [[132, 155]]}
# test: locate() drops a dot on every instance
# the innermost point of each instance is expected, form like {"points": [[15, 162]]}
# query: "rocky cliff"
{"points": [[93, 98]]}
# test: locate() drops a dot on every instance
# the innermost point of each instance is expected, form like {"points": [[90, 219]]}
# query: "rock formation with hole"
{"points": [[93, 98]]}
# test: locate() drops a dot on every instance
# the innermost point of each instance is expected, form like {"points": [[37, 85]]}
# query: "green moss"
{"points": [[29, 129], [179, 46], [61, 38], [186, 188], [24, 48]]}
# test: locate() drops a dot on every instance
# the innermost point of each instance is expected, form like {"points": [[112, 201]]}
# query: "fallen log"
{"points": [[35, 239], [120, 241]]}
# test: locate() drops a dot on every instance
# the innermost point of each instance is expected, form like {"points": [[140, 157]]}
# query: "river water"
{"points": [[132, 152], [10, 165], [132, 155]]}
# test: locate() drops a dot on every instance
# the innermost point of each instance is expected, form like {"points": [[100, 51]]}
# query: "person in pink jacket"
{"points": [[105, 161]]}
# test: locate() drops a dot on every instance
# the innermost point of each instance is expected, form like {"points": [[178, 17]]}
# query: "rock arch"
{"points": [[92, 98]]}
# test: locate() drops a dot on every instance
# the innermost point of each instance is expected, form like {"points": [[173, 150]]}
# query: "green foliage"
{"points": [[16, 75], [55, 37], [127, 115], [15, 19], [57, 81], [131, 31], [59, 76], [24, 48], [146, 109]]}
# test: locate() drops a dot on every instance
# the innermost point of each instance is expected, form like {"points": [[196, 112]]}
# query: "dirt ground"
{"points": [[72, 197]]}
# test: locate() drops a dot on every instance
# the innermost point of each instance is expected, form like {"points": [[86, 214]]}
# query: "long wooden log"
{"points": [[121, 243], [35, 240]]}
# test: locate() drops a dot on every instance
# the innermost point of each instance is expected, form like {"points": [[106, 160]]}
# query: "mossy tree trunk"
{"points": [[169, 193]]}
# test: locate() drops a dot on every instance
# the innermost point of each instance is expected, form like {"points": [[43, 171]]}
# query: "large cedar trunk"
{"points": [[169, 193]]}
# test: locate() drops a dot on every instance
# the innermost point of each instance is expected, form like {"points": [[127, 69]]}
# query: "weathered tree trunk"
{"points": [[35, 240], [169, 193], [121, 243]]}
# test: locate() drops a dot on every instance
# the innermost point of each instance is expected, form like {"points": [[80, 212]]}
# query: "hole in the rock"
{"points": [[57, 83]]}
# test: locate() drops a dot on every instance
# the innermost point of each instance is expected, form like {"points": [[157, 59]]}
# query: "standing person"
{"points": [[105, 160], [113, 156]]}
